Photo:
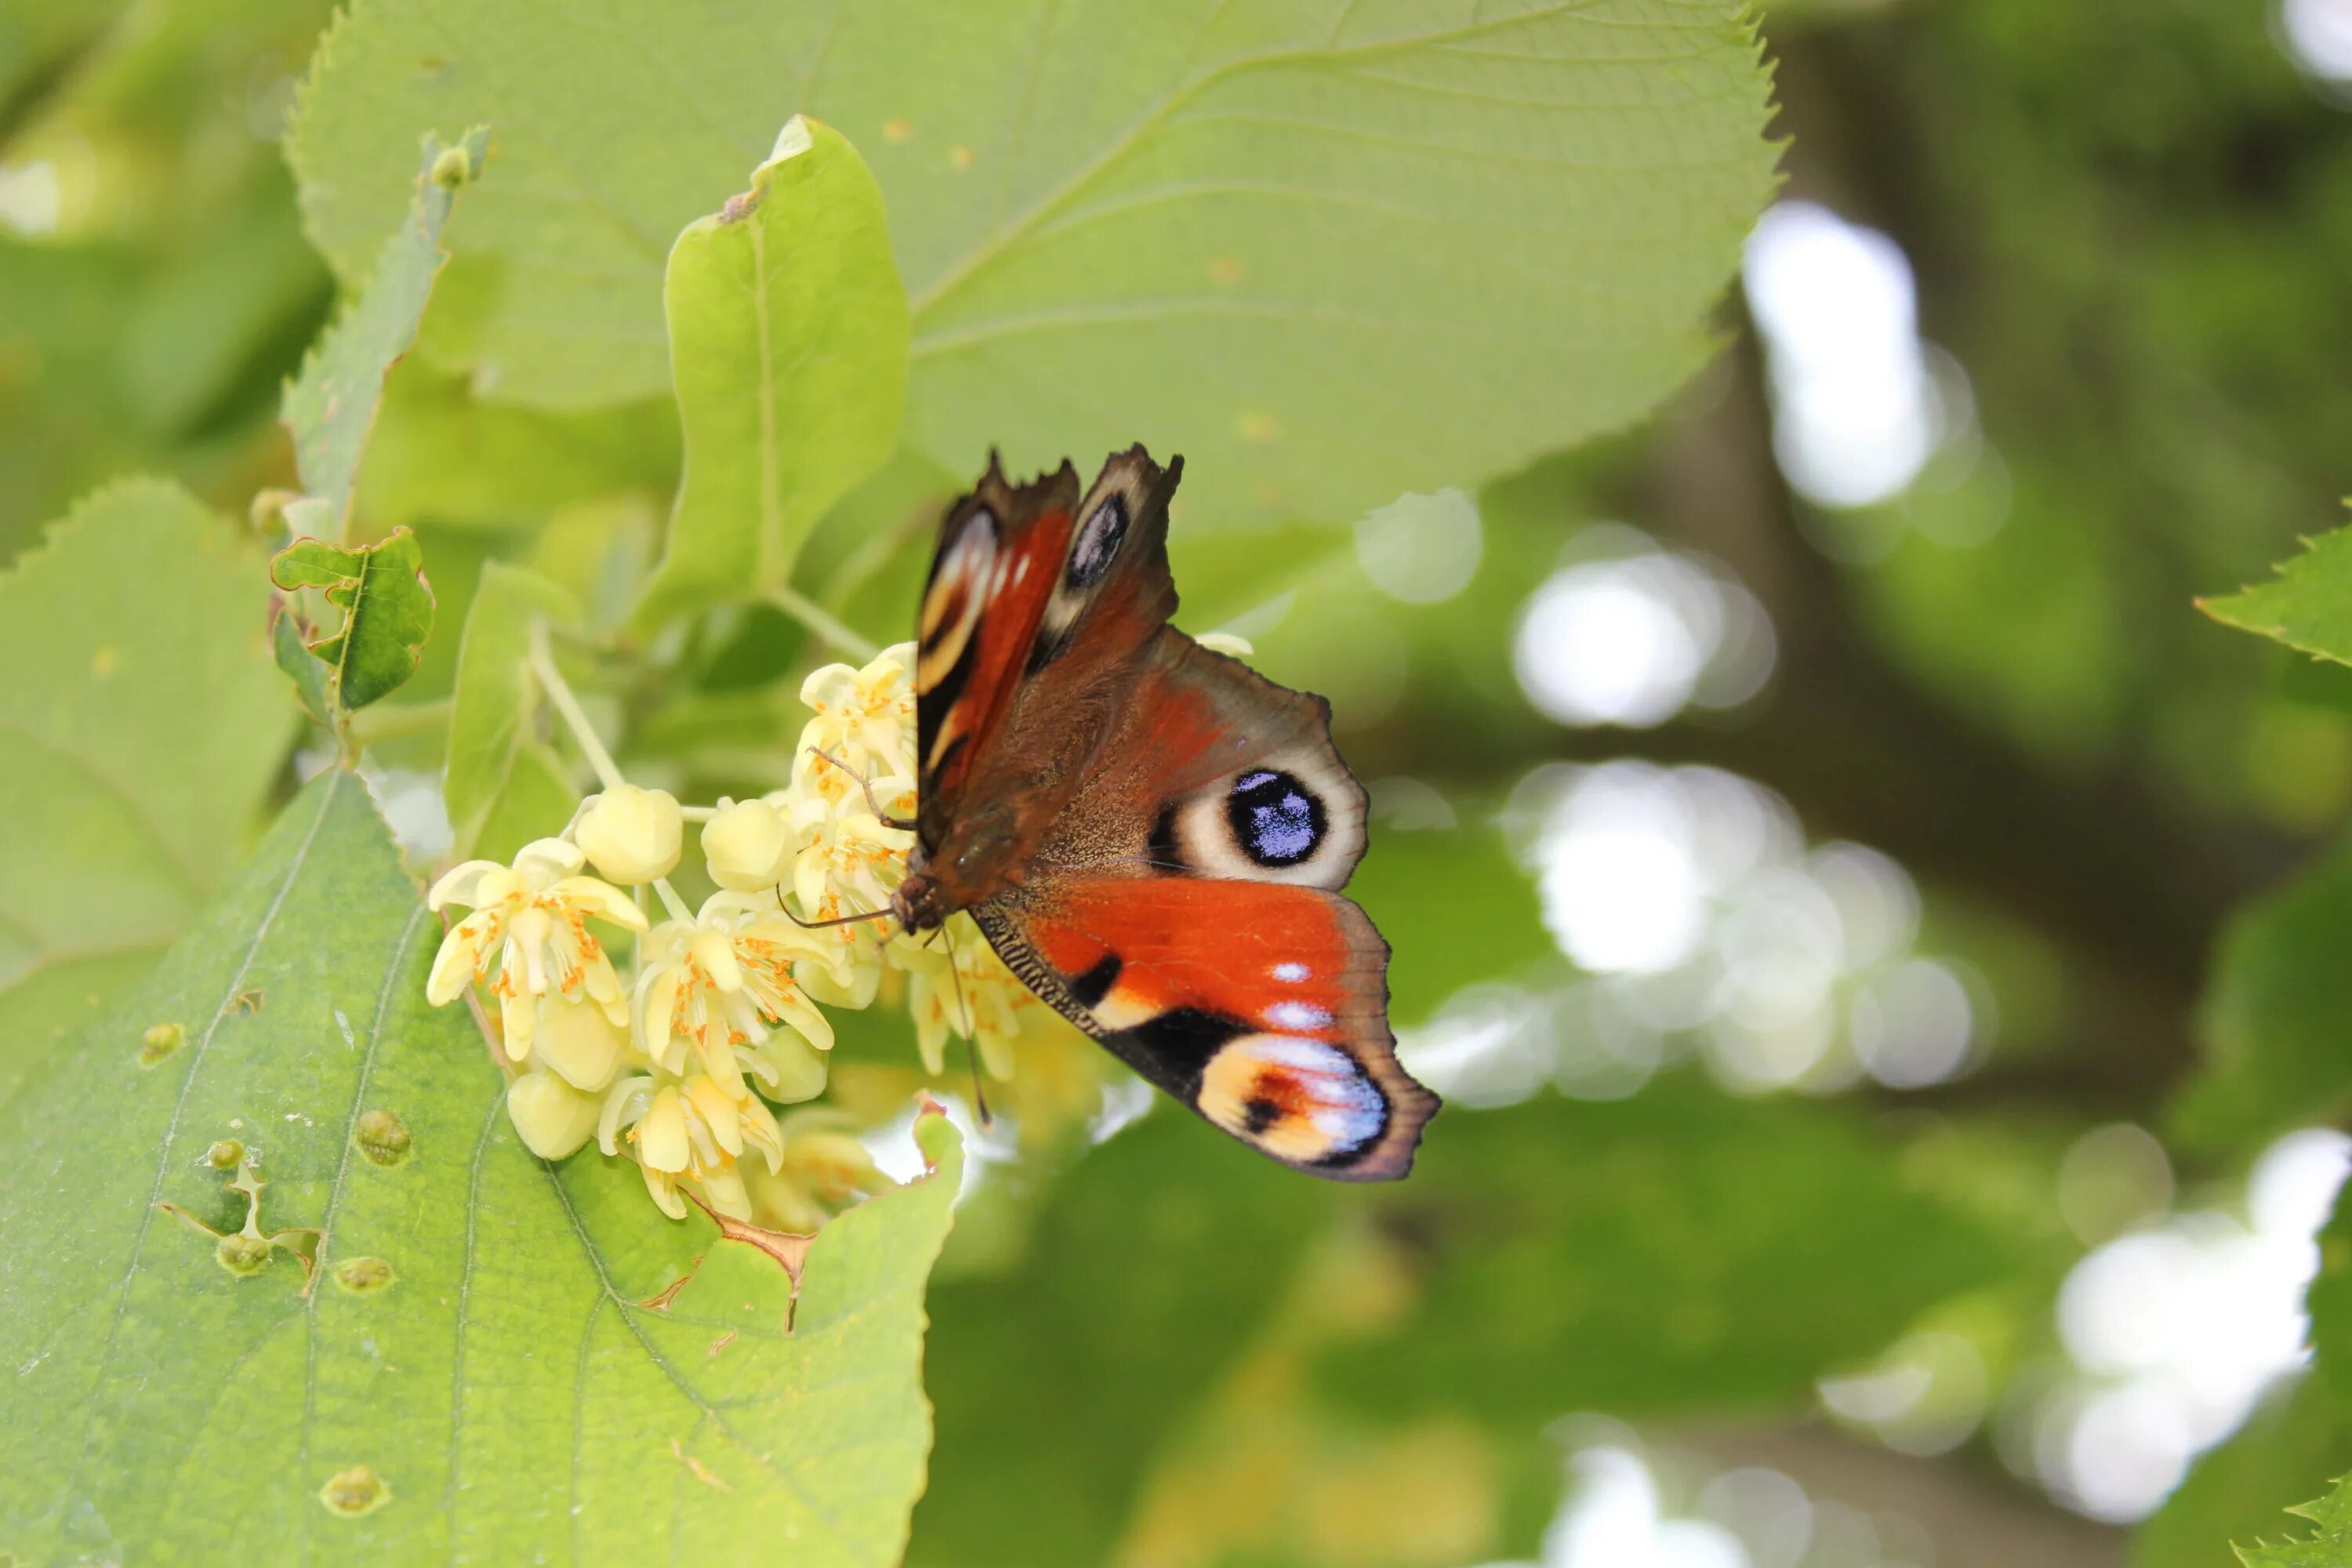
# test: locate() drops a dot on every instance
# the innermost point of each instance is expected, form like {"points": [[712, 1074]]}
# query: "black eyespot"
{"points": [[1276, 820], [1097, 544]]}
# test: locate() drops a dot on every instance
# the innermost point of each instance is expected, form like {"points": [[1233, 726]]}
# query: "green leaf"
{"points": [[2329, 1302], [495, 696], [387, 608], [1555, 1257], [2309, 607], [1155, 1263], [788, 346], [331, 407], [439, 456], [2273, 1016], [1583, 1255], [2331, 1548], [1329, 252], [1416, 884], [142, 726], [507, 1385], [292, 652], [2288, 1449], [537, 799]]}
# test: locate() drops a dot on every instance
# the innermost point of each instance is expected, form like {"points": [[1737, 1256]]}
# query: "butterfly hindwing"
{"points": [[1214, 771], [1262, 1005]]}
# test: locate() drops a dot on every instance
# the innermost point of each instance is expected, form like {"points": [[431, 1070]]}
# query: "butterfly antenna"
{"points": [[836, 920], [970, 1037], [904, 823]]}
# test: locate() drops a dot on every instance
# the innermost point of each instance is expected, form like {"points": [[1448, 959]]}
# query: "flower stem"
{"points": [[559, 691], [821, 621], [670, 900], [699, 813]]}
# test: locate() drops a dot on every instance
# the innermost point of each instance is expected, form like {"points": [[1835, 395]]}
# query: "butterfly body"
{"points": [[1151, 835]]}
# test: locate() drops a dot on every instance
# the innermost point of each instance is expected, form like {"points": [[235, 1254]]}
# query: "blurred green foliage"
{"points": [[1331, 253]]}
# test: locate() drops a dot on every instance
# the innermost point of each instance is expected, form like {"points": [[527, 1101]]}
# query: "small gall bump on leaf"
{"points": [[1226, 270], [961, 157], [227, 1155], [358, 1490], [382, 1137], [452, 168], [739, 207], [897, 129], [364, 1275], [242, 1254], [160, 1041]]}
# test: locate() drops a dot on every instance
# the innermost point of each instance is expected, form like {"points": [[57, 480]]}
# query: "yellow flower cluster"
{"points": [[679, 1067]]}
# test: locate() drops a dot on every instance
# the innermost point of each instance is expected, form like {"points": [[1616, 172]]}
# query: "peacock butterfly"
{"points": [[1151, 835]]}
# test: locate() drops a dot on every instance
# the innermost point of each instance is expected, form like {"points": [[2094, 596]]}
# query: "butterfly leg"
{"points": [[904, 823]]}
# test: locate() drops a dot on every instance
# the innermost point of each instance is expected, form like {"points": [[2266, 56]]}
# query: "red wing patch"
{"points": [[1262, 1005]]}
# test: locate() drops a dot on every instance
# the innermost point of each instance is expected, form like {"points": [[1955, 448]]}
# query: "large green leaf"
{"points": [[788, 346], [2330, 1548], [2307, 606], [1329, 251], [497, 1371], [142, 723], [491, 750], [331, 407], [2274, 1015]]}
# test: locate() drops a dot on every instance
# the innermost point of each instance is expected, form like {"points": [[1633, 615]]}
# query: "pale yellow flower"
{"points": [[724, 986], [748, 844], [580, 1042], [533, 919], [691, 1129], [552, 1118], [988, 1007], [844, 852], [865, 718], [630, 835]]}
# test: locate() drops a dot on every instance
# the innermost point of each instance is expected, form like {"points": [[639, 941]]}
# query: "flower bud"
{"points": [[630, 834], [745, 845], [792, 1070], [552, 1118]]}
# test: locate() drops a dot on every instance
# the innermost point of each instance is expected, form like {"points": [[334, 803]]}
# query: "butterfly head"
{"points": [[920, 903]]}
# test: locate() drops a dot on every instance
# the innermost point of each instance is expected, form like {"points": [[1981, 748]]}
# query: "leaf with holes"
{"points": [[1329, 251], [142, 726], [330, 406], [788, 343], [387, 608], [474, 1375]]}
